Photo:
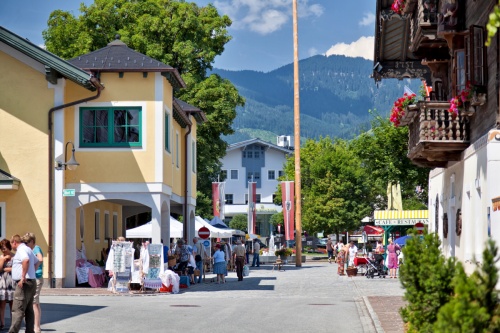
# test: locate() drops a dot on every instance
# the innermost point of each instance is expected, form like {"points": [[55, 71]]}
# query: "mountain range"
{"points": [[336, 94]]}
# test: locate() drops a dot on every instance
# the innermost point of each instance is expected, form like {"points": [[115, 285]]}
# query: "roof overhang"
{"points": [[54, 66], [8, 182], [392, 58]]}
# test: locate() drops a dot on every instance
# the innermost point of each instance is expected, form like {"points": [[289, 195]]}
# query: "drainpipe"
{"points": [[95, 82], [184, 232]]}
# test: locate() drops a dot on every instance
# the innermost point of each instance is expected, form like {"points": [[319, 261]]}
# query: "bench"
{"points": [[279, 264]]}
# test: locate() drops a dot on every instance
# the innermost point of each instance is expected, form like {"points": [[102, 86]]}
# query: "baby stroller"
{"points": [[376, 267]]}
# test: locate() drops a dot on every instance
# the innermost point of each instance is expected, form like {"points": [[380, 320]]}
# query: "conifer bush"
{"points": [[474, 306], [426, 276]]}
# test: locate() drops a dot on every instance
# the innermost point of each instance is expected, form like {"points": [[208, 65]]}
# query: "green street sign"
{"points": [[67, 192]]}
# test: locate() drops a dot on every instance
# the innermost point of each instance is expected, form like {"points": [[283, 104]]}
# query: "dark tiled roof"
{"points": [[118, 57], [197, 113], [53, 64], [243, 144]]}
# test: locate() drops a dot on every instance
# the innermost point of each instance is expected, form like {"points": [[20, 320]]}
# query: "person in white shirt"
{"points": [[24, 277], [353, 251]]}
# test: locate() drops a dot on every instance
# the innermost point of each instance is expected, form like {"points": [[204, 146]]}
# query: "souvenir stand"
{"points": [[153, 266], [121, 256]]}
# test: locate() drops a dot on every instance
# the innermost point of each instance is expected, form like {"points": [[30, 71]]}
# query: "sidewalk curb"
{"points": [[373, 315]]}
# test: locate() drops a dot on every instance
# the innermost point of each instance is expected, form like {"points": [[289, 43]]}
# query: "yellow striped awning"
{"points": [[401, 217]]}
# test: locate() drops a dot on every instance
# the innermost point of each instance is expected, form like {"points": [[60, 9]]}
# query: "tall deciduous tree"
{"points": [[178, 33], [335, 188], [383, 151]]}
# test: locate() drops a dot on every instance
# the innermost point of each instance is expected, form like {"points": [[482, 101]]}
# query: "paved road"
{"points": [[312, 298]]}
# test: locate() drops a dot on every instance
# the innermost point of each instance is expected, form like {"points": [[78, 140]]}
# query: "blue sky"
{"points": [[262, 29]]}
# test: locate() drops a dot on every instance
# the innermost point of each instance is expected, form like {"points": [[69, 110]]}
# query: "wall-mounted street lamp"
{"points": [[72, 164]]}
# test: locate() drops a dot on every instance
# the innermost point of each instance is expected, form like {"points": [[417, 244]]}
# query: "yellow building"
{"points": [[112, 111]]}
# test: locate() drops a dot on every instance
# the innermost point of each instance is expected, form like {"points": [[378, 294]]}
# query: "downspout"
{"points": [[185, 233], [95, 82]]}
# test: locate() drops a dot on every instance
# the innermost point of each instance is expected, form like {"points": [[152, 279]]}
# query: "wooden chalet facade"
{"points": [[443, 43]]}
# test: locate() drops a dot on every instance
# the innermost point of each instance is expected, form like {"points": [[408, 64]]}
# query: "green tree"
{"points": [[277, 219], [383, 151], [239, 222], [178, 33], [475, 305], [335, 186], [493, 23], [426, 277]]}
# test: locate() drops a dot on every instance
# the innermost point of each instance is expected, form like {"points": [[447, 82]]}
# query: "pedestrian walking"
{"points": [[200, 256], [25, 280], [30, 240], [239, 259], [256, 254], [329, 249], [220, 265]]}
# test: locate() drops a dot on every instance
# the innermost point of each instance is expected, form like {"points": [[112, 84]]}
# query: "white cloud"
{"points": [[368, 19], [363, 48], [312, 51], [264, 16]]}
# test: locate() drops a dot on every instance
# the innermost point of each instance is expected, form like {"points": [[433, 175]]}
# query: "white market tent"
{"points": [[214, 231], [145, 230]]}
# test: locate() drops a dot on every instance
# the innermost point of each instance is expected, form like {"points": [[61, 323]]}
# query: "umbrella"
{"points": [[401, 240]]}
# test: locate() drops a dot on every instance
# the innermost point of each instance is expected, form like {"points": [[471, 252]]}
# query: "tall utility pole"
{"points": [[296, 117]]}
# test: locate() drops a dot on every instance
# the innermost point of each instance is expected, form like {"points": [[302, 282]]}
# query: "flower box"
{"points": [[409, 114]]}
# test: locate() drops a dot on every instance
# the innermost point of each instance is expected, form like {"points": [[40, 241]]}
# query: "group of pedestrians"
{"points": [[21, 281]]}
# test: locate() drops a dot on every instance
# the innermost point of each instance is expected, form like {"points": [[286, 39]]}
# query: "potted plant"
{"points": [[284, 252], [404, 108]]}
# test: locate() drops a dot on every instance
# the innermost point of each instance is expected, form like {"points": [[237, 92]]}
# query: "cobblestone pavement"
{"points": [[315, 287]]}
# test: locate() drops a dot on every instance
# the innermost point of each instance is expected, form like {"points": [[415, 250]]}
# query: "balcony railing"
{"points": [[436, 136], [424, 23]]}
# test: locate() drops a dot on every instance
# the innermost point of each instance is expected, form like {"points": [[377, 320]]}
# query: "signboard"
{"points": [[67, 192], [206, 243], [204, 232], [401, 221]]}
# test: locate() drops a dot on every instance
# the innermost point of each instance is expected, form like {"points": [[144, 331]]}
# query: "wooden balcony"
{"points": [[424, 28], [435, 136]]}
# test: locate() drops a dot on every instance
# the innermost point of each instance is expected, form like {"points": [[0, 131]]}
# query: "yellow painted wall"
{"points": [[25, 100], [93, 247], [135, 165]]}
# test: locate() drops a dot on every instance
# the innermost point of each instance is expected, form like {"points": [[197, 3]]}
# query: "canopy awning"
{"points": [[214, 231], [373, 230], [400, 217], [146, 230]]}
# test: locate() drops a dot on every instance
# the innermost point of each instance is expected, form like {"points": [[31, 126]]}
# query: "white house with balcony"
{"points": [[262, 162]]}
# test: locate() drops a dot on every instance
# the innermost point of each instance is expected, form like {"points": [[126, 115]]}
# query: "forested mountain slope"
{"points": [[336, 93]]}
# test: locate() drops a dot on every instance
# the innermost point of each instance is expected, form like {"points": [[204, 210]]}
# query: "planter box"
{"points": [[291, 259]]}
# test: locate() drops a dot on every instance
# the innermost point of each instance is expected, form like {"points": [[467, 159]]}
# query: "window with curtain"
{"points": [[110, 127]]}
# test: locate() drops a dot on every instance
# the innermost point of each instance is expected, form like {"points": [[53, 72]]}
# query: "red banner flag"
{"points": [[216, 199], [287, 195], [252, 211]]}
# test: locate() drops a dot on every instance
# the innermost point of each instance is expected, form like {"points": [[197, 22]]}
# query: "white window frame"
{"points": [[237, 174], [274, 174]]}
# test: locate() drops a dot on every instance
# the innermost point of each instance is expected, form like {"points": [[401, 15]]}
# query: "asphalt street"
{"points": [[312, 298]]}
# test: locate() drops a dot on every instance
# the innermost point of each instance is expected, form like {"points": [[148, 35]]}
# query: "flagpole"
{"points": [[296, 113]]}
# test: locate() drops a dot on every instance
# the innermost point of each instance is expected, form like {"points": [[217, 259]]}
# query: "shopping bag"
{"points": [[246, 270]]}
